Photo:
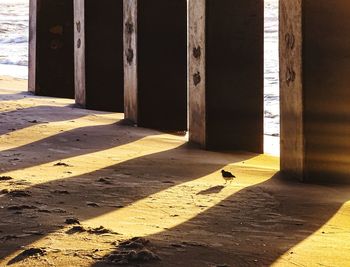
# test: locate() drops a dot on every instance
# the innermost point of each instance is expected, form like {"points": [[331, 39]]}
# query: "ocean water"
{"points": [[14, 52], [14, 16], [271, 69]]}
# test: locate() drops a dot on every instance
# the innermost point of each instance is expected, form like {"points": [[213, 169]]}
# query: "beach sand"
{"points": [[10, 83], [75, 184]]}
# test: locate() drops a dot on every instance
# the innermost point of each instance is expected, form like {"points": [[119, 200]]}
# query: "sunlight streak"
{"points": [[171, 207], [165, 210], [41, 131], [313, 249], [92, 162]]}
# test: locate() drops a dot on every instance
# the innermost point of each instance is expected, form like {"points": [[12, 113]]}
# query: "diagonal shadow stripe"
{"points": [[132, 180], [256, 226]]}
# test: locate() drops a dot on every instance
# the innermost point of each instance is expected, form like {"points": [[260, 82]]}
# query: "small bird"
{"points": [[227, 176]]}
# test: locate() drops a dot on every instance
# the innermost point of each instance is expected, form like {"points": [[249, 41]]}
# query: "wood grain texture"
{"points": [[226, 74], [326, 79], [314, 76], [196, 72], [130, 61], [79, 52], [33, 6], [291, 92]]}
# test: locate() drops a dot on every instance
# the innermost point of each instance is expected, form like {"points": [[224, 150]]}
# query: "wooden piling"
{"points": [[51, 52], [155, 59], [99, 54], [226, 74], [314, 76]]}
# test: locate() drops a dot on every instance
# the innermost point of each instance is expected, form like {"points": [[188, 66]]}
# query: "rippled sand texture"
{"points": [[79, 188]]}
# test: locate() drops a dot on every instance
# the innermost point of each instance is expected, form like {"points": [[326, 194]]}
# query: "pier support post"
{"points": [[315, 95], [155, 72], [226, 74], [99, 54], [51, 52]]}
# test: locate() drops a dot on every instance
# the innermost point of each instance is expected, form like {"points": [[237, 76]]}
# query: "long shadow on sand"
{"points": [[130, 181], [258, 224], [26, 117], [253, 227], [68, 144], [16, 95]]}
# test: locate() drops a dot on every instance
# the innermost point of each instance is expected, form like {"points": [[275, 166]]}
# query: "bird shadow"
{"points": [[212, 190], [28, 253], [128, 182], [253, 227]]}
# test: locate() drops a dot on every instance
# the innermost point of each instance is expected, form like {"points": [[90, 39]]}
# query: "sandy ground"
{"points": [[11, 83], [79, 188]]}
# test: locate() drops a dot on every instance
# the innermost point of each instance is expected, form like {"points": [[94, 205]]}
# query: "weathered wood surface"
{"points": [[130, 60], [99, 54], [315, 94], [79, 52], [326, 79], [226, 74], [291, 95], [196, 72], [155, 63], [51, 52], [32, 45]]}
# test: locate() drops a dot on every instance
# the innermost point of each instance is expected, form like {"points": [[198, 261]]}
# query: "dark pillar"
{"points": [[51, 50], [99, 54], [315, 95], [226, 74], [155, 63]]}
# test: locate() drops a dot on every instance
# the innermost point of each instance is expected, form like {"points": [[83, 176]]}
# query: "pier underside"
{"points": [[81, 187]]}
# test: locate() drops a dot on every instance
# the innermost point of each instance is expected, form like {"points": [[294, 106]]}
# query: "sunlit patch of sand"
{"points": [[90, 162], [37, 132], [162, 211], [175, 205], [328, 246], [170, 193]]}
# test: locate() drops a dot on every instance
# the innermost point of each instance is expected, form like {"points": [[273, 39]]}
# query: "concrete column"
{"points": [[99, 54], [155, 60], [315, 95], [51, 52], [226, 74]]}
